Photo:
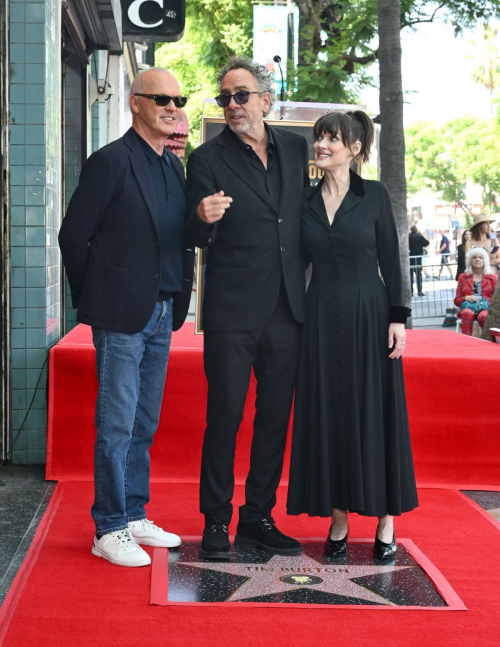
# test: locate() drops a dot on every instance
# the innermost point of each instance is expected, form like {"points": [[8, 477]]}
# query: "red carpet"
{"points": [[72, 598], [443, 370], [64, 596]]}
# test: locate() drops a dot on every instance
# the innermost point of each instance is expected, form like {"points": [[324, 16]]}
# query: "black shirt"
{"points": [[172, 210], [270, 178]]}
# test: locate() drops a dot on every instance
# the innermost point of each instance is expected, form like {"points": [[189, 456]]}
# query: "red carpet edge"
{"points": [[16, 590]]}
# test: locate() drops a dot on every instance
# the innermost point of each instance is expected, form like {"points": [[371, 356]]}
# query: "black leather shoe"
{"points": [[382, 550], [215, 542], [421, 294], [336, 547], [265, 535]]}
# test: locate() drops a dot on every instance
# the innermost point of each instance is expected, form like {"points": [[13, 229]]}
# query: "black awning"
{"points": [[102, 23]]}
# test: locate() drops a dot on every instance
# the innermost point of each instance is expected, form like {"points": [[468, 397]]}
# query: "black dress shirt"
{"points": [[269, 179], [172, 210]]}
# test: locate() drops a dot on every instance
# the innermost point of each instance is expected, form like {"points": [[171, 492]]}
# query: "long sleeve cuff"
{"points": [[399, 314], [203, 226]]}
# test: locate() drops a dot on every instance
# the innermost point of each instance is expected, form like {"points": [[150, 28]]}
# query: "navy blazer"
{"points": [[109, 241]]}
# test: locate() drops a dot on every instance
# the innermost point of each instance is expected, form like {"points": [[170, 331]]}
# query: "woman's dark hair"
{"points": [[463, 235], [352, 126], [474, 231]]}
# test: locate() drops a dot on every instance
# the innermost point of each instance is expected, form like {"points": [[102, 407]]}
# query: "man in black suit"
{"points": [[244, 195], [130, 272], [416, 244]]}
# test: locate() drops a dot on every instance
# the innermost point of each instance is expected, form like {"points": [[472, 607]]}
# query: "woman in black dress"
{"points": [[351, 447]]}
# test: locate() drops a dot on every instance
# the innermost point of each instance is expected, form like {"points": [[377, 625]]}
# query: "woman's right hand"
{"points": [[471, 298]]}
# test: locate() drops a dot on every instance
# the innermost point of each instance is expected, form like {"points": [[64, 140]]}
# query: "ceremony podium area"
{"points": [[451, 384]]}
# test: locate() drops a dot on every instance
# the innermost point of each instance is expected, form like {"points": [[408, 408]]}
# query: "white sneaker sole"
{"points": [[146, 541], [98, 553]]}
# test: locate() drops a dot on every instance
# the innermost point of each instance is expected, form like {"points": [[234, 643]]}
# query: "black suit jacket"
{"points": [[109, 241], [416, 244], [256, 239]]}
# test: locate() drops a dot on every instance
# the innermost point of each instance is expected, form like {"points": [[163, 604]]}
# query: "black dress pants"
{"points": [[273, 352], [416, 268]]}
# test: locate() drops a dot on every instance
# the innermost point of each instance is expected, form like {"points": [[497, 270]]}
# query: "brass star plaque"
{"points": [[254, 577]]}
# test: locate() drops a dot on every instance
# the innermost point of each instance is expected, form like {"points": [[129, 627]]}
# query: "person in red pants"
{"points": [[475, 289]]}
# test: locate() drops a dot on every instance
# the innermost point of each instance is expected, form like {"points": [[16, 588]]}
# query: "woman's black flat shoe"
{"points": [[382, 550], [336, 547]]}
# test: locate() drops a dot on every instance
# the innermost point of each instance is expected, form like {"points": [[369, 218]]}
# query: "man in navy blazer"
{"points": [[130, 271]]}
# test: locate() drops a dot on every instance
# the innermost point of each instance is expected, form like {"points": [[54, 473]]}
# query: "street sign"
{"points": [[153, 21]]}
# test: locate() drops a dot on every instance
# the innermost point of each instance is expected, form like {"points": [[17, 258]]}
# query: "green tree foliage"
{"points": [[486, 61], [338, 40], [444, 158], [337, 44]]}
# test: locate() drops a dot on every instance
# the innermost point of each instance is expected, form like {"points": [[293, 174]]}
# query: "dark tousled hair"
{"points": [[474, 231], [352, 126]]}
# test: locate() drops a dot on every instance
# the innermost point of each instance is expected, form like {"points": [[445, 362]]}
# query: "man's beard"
{"points": [[243, 128]]}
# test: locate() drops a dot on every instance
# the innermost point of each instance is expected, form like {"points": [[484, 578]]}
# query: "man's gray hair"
{"points": [[264, 78], [138, 85], [478, 251]]}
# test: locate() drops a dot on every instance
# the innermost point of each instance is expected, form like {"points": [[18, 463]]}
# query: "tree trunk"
{"points": [[308, 18], [493, 318], [392, 139]]}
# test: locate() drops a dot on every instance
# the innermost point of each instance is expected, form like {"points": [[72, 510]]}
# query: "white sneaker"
{"points": [[146, 533], [120, 548]]}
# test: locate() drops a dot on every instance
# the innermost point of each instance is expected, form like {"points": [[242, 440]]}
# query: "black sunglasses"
{"points": [[165, 99], [240, 97]]}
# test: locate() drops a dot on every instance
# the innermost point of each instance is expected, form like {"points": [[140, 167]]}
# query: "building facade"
{"points": [[65, 78]]}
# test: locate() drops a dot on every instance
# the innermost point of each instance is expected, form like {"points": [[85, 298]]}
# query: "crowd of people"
{"points": [[478, 266]]}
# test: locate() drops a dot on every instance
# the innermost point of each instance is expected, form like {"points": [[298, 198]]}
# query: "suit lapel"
{"points": [[232, 156], [316, 203], [138, 161], [348, 203], [285, 155], [351, 200]]}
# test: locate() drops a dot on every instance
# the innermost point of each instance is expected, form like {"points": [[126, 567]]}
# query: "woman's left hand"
{"points": [[397, 336]]}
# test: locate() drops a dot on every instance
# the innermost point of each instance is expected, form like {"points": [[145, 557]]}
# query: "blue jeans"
{"points": [[131, 370]]}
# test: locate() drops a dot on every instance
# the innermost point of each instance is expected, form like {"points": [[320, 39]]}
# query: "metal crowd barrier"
{"points": [[438, 284]]}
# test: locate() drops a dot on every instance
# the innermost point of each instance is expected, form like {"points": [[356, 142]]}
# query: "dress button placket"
{"points": [[336, 313]]}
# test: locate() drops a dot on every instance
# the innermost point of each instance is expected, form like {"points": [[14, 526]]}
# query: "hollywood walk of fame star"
{"points": [[495, 513], [282, 574]]}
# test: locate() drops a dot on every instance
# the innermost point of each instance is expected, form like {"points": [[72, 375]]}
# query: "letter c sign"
{"points": [[134, 17], [152, 21]]}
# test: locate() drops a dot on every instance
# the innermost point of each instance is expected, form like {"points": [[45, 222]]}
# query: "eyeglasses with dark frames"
{"points": [[164, 99], [240, 97]]}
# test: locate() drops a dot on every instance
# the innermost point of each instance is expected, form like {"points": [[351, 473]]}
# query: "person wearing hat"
{"points": [[481, 237]]}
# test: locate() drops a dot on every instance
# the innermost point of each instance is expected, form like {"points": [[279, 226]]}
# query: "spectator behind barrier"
{"points": [[481, 237], [475, 289], [416, 244], [466, 236]]}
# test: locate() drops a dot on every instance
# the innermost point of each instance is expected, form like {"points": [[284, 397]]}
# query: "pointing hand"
{"points": [[212, 208]]}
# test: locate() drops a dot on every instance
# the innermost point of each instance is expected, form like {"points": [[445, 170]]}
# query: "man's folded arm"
{"points": [[199, 185], [85, 211]]}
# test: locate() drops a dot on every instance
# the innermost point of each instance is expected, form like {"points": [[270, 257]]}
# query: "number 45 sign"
{"points": [[153, 21]]}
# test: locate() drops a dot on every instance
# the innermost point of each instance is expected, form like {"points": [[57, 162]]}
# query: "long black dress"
{"points": [[351, 444]]}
